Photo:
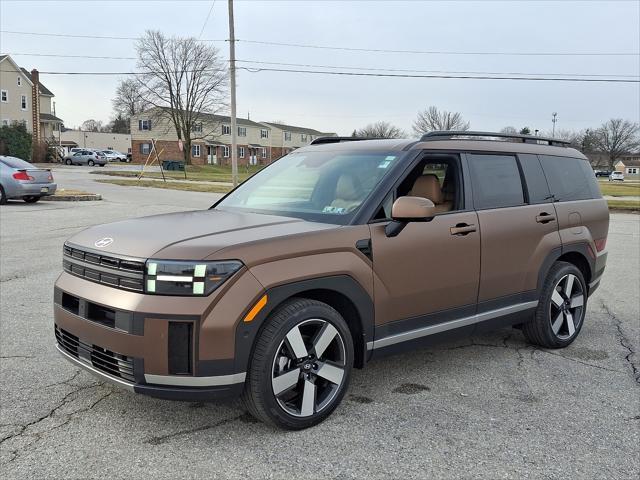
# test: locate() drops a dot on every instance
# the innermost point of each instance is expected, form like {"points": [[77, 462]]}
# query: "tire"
{"points": [[559, 316], [68, 162], [91, 163], [102, 164], [3, 196], [31, 198], [287, 343]]}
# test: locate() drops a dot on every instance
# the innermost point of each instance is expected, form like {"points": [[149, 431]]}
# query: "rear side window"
{"points": [[537, 186], [14, 162], [569, 179], [496, 181]]}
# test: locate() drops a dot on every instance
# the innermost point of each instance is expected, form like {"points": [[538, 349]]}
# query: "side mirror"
{"points": [[409, 209]]}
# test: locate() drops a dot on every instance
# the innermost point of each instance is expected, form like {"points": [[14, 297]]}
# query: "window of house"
{"points": [[287, 136], [632, 171], [225, 151], [197, 127], [264, 152], [496, 181], [226, 129], [242, 131], [240, 152], [4, 96], [19, 80], [23, 102], [145, 148], [303, 137], [195, 150], [129, 150], [264, 133], [144, 124]]}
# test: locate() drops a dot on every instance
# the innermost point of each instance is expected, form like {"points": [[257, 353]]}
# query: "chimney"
{"points": [[35, 104]]}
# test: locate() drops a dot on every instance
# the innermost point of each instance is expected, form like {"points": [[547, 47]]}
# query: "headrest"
{"points": [[348, 187], [427, 186]]}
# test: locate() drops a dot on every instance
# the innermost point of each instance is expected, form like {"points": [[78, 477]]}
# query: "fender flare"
{"points": [[344, 285], [582, 248]]}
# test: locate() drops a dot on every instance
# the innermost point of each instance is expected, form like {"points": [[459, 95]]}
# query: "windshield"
{"points": [[317, 186]]}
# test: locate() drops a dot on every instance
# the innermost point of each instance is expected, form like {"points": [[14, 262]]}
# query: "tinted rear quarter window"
{"points": [[569, 178], [496, 181]]}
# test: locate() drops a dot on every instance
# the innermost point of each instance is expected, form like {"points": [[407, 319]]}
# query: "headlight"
{"points": [[175, 277]]}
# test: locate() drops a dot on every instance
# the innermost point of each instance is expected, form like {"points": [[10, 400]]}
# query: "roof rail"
{"points": [[516, 137], [321, 140]]}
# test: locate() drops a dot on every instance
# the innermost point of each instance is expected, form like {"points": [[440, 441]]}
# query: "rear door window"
{"points": [[537, 187], [568, 178], [496, 181]]}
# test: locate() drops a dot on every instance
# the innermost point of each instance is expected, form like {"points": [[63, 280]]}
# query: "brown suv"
{"points": [[333, 255]]}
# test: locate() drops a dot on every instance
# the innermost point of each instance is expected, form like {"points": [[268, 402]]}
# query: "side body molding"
{"points": [[341, 286]]}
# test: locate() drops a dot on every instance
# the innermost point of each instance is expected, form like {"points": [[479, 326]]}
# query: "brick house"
{"points": [[258, 143], [24, 99]]}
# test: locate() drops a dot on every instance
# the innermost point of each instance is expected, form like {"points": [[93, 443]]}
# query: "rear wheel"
{"points": [[301, 365], [91, 163], [561, 309], [31, 198], [68, 162], [3, 196]]}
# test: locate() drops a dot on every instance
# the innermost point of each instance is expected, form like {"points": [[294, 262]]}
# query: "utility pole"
{"points": [[232, 73], [554, 120]]}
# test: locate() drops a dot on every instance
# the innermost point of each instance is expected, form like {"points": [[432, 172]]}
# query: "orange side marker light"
{"points": [[256, 309]]}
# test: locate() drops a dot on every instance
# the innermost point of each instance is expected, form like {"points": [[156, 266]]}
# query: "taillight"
{"points": [[22, 175], [600, 244], [50, 178]]}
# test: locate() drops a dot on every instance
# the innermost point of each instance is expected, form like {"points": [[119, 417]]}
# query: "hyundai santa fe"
{"points": [[340, 252]]}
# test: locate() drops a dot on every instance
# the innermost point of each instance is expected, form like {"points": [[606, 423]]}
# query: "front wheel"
{"points": [[301, 365], [561, 309], [3, 196], [68, 161]]}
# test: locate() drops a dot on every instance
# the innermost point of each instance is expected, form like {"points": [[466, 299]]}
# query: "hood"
{"points": [[187, 235]]}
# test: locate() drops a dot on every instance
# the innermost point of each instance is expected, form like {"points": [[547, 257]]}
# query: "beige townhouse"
{"points": [[24, 99], [259, 143]]}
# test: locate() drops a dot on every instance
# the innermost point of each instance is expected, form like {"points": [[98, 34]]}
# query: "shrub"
{"points": [[16, 141]]}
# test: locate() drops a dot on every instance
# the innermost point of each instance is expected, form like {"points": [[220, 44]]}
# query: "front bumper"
{"points": [[128, 339], [33, 189]]}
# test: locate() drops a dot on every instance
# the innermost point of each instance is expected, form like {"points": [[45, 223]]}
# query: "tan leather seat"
{"points": [[348, 193], [428, 186]]}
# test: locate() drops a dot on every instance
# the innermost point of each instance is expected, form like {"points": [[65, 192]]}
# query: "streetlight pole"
{"points": [[232, 73], [554, 120]]}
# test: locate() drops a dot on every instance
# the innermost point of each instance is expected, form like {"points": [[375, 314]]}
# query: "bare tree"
{"points": [[184, 79], [379, 130], [92, 125], [128, 100], [617, 137], [434, 119], [509, 131]]}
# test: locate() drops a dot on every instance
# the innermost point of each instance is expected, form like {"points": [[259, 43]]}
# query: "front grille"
{"points": [[124, 273], [109, 362]]}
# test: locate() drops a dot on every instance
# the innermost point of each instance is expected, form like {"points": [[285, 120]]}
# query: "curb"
{"points": [[73, 198]]}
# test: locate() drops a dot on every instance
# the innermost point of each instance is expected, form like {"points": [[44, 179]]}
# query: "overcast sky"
{"points": [[340, 103]]}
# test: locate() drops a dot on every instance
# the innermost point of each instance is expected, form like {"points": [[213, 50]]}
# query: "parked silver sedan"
{"points": [[20, 179], [86, 157]]}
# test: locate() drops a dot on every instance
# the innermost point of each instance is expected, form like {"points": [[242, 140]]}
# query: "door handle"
{"points": [[545, 217], [462, 229]]}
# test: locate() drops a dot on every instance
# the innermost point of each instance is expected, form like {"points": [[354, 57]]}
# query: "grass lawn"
{"points": [[191, 187], [632, 205], [620, 189], [211, 173]]}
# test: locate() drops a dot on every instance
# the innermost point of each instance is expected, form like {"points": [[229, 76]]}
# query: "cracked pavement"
{"points": [[490, 406]]}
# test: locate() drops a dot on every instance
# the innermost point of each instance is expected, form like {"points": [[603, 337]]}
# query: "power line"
{"points": [[435, 71], [72, 56], [350, 49], [438, 52], [206, 20], [363, 74]]}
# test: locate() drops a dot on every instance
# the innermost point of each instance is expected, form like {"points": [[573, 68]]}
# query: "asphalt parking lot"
{"points": [[487, 407]]}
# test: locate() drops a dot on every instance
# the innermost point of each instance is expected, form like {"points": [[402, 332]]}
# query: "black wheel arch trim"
{"points": [[343, 285], [583, 248]]}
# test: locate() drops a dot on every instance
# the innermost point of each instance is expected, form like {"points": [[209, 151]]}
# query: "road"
{"points": [[487, 407]]}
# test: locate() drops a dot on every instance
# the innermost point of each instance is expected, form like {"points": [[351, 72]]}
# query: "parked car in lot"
{"points": [[616, 177], [20, 179], [602, 173], [339, 252], [86, 157], [115, 156]]}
